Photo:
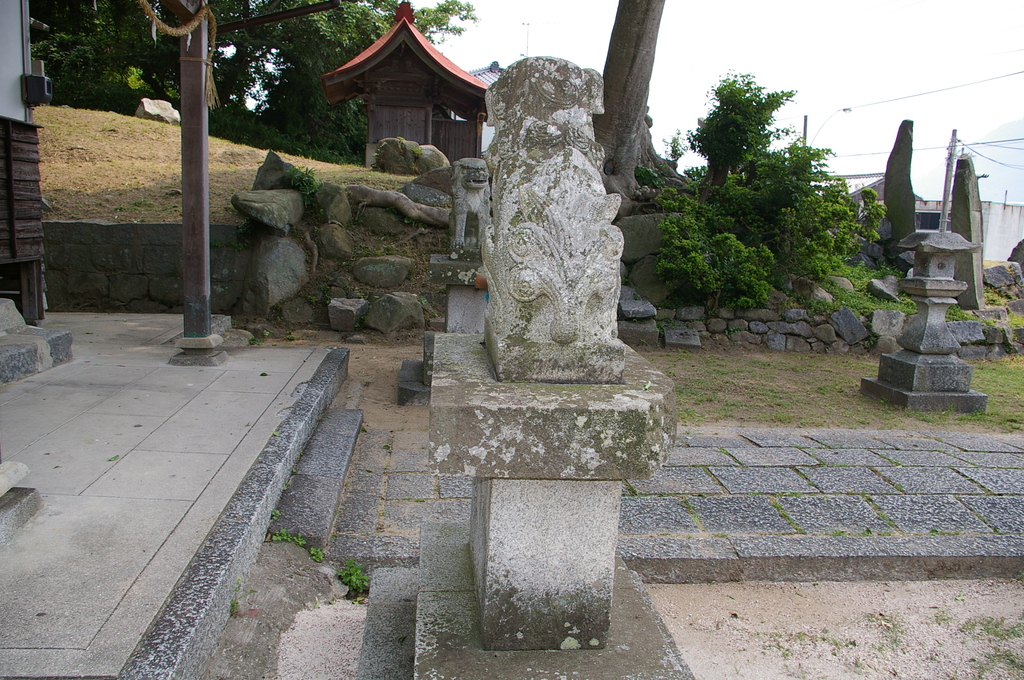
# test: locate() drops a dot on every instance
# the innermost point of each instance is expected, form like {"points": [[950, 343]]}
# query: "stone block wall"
{"points": [[134, 267]]}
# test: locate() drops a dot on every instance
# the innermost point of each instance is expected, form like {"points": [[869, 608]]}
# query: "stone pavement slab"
{"points": [[764, 503]]}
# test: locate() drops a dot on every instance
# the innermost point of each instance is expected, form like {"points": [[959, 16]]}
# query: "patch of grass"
{"points": [[283, 535], [998, 629], [748, 386], [352, 576], [891, 629]]}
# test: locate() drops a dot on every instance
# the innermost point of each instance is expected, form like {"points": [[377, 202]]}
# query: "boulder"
{"points": [[795, 344], [394, 312], [848, 326], [717, 325], [776, 341], [397, 156], [745, 337], [427, 195], [886, 345], [905, 262], [297, 311], [759, 327], [384, 222], [694, 313], [966, 332], [382, 272], [888, 322], [842, 282], [636, 309], [757, 314], [792, 315], [825, 333], [1016, 306], [335, 242], [884, 289], [159, 110], [998, 276], [346, 314], [639, 333], [646, 282], [277, 273], [333, 200], [993, 314], [641, 236], [439, 179], [809, 289], [279, 209], [273, 174]]}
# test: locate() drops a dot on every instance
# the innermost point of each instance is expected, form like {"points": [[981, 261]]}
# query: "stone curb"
{"points": [[185, 632]]}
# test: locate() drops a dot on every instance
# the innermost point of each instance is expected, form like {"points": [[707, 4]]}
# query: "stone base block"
{"points": [[199, 358], [682, 338], [465, 310], [915, 372], [449, 638], [484, 428], [639, 333], [411, 389], [447, 271], [544, 561], [17, 507], [961, 402]]}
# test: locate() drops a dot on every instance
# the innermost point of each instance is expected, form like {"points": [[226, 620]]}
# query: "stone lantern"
{"points": [[926, 375]]}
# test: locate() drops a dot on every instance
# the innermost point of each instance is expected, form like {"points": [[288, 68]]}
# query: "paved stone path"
{"points": [[846, 503]]}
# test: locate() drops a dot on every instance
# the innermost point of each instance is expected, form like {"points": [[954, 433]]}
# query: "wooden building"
{"points": [[412, 91], [21, 226]]}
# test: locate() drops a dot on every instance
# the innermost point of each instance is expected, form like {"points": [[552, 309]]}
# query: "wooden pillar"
{"points": [[195, 183]]}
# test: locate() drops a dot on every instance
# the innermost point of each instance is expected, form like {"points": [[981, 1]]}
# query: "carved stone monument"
{"points": [[548, 416], [552, 252], [926, 375], [899, 192]]}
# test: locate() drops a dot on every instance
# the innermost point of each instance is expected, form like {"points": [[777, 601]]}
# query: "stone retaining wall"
{"points": [[134, 267]]}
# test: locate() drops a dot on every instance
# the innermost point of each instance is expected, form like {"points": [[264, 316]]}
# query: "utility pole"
{"points": [[805, 130], [950, 160]]}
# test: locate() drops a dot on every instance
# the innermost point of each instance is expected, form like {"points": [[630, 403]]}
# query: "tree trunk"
{"points": [[621, 129]]}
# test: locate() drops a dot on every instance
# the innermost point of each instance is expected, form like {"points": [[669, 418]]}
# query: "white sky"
{"points": [[835, 55]]}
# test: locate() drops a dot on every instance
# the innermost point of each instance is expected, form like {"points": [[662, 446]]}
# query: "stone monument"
{"points": [[899, 192], [965, 219], [926, 375], [548, 415]]}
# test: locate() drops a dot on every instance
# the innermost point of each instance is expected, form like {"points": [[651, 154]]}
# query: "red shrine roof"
{"points": [[335, 83]]}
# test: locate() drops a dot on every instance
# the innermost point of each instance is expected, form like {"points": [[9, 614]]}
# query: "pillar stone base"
{"points": [[544, 561], [449, 635]]}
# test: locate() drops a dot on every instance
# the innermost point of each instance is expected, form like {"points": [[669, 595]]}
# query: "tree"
{"points": [[268, 77], [622, 128], [738, 127], [761, 213]]}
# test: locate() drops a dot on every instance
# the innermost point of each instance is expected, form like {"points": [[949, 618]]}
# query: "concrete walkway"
{"points": [[135, 460]]}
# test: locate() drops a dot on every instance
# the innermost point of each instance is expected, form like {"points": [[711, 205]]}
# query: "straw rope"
{"points": [[206, 12]]}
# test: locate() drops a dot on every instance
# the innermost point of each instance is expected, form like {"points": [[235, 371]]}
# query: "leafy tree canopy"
{"points": [[268, 77], [774, 212]]}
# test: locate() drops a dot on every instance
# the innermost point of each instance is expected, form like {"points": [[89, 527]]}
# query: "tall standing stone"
{"points": [[899, 192], [552, 252], [966, 220]]}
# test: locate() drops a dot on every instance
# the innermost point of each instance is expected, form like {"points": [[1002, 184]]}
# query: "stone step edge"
{"points": [[311, 499], [186, 629], [29, 350], [766, 558]]}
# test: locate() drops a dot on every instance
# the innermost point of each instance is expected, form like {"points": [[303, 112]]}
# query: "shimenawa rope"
{"points": [[206, 12]]}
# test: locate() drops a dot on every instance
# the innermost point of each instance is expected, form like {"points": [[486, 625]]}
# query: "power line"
{"points": [[933, 148], [1012, 167], [943, 89]]}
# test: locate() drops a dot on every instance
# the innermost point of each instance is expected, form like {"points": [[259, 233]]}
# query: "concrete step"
{"points": [[27, 350], [311, 498]]}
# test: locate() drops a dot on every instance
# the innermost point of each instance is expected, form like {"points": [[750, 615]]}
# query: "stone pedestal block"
{"points": [[484, 428], [925, 372], [465, 309], [449, 637], [544, 561]]}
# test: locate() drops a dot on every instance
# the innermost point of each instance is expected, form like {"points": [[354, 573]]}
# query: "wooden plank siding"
{"points": [[456, 138], [21, 225]]}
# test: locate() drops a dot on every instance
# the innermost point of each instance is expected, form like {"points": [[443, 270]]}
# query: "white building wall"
{"points": [[1003, 225], [14, 58]]}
